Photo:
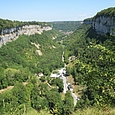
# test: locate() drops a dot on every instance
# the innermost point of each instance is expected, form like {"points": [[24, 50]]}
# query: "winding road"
{"points": [[64, 78], [65, 84], [75, 97]]}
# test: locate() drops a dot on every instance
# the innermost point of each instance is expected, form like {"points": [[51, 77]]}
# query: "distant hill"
{"points": [[66, 25], [6, 24]]}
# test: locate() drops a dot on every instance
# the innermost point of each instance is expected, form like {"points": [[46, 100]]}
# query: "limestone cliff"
{"points": [[7, 35], [103, 23]]}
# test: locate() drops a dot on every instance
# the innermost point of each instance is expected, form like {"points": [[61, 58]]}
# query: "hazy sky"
{"points": [[52, 10]]}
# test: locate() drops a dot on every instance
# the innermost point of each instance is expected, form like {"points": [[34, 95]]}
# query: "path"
{"points": [[65, 84], [75, 98], [8, 88], [64, 78]]}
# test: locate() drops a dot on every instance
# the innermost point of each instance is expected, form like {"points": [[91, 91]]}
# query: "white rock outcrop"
{"points": [[8, 35], [102, 24]]}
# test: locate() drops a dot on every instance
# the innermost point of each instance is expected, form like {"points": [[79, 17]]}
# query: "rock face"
{"points": [[8, 35], [102, 24]]}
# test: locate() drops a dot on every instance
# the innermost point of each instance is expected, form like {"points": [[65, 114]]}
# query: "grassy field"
{"points": [[87, 111], [95, 111], [34, 112]]}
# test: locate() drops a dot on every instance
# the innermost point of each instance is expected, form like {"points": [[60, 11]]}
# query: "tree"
{"points": [[2, 77], [54, 102], [46, 72], [68, 71], [58, 82], [74, 73], [68, 104], [10, 78], [29, 88], [43, 79], [8, 102], [19, 91], [38, 102]]}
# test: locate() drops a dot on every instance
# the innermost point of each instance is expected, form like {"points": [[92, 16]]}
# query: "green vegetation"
{"points": [[85, 111], [68, 104], [20, 62], [6, 24], [95, 111], [34, 112], [90, 60], [106, 12], [93, 66], [37, 95], [29, 55], [58, 82], [66, 26]]}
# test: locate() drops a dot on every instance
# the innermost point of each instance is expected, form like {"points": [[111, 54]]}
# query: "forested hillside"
{"points": [[107, 12], [6, 24], [92, 66], [29, 54], [21, 61]]}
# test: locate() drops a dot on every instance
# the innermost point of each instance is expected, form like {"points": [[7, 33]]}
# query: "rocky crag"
{"points": [[103, 22], [7, 35]]}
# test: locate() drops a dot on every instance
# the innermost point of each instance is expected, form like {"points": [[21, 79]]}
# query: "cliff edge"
{"points": [[7, 35], [103, 22]]}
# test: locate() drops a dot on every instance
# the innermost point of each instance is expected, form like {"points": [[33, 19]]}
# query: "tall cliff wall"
{"points": [[104, 21], [7, 35], [102, 24]]}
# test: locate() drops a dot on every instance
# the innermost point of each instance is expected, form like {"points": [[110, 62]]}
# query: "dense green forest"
{"points": [[106, 12], [20, 63], [6, 24], [66, 25], [93, 66], [29, 54]]}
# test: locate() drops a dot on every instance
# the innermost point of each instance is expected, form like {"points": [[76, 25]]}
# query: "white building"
{"points": [[40, 74], [54, 75]]}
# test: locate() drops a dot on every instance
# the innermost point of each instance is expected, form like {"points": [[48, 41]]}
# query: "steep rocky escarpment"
{"points": [[7, 35], [103, 22]]}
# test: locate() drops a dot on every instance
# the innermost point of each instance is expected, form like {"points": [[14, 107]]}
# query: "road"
{"points": [[64, 78], [64, 83], [75, 97]]}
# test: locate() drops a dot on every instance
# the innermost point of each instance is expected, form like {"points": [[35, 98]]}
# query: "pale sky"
{"points": [[52, 10]]}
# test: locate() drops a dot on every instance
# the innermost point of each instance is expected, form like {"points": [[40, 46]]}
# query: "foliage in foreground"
{"points": [[85, 111], [93, 66], [37, 95], [95, 111]]}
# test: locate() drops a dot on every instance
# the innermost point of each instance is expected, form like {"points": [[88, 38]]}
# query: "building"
{"points": [[40, 74]]}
